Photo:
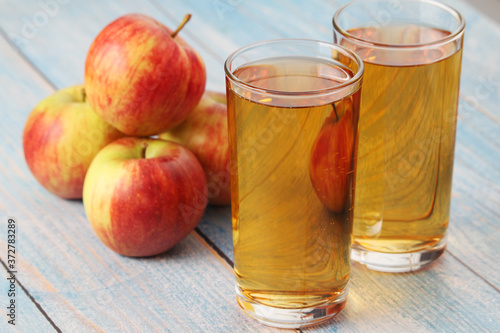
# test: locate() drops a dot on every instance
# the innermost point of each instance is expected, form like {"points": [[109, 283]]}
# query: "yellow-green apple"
{"points": [[141, 77], [61, 137], [332, 157], [142, 196], [204, 132]]}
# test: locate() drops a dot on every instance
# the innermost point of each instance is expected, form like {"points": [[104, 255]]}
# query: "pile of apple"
{"points": [[140, 142]]}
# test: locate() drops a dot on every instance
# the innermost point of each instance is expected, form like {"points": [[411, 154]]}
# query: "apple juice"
{"points": [[292, 183], [407, 137]]}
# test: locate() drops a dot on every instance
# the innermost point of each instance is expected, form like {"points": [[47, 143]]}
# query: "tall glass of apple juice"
{"points": [[293, 108], [412, 50]]}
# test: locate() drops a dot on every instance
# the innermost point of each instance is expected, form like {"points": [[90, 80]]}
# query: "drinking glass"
{"points": [[412, 51], [293, 108]]}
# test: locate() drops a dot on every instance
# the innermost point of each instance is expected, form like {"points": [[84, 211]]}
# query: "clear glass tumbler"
{"points": [[293, 108], [412, 50]]}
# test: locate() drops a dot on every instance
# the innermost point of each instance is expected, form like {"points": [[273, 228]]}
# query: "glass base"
{"points": [[396, 262], [291, 318]]}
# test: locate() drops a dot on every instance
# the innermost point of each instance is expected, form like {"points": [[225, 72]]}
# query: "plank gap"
{"points": [[473, 271], [214, 247], [38, 306], [222, 255]]}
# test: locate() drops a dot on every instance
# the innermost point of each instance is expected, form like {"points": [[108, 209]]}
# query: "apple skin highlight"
{"points": [[140, 79], [61, 137], [205, 133], [143, 196]]}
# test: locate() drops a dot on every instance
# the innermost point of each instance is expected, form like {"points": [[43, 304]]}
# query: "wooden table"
{"points": [[68, 281]]}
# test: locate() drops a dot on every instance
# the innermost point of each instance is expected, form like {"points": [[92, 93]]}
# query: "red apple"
{"points": [[204, 132], [332, 157], [143, 196], [141, 77], [61, 137]]}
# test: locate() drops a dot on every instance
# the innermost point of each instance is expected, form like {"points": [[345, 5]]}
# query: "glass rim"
{"points": [[450, 9], [353, 80]]}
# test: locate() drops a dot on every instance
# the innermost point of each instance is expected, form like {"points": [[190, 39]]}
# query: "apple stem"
{"points": [[144, 145], [183, 23], [84, 95]]}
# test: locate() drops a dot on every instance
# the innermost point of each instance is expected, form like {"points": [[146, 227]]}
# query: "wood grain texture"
{"points": [[59, 45], [478, 130], [84, 287], [437, 299], [26, 310]]}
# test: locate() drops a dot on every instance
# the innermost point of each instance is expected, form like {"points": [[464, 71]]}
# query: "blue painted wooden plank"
{"points": [[314, 18], [478, 138], [26, 316], [216, 225], [82, 285], [358, 320], [481, 64], [438, 298], [474, 228], [477, 144], [223, 25], [71, 29], [295, 19], [220, 27], [433, 300], [480, 82]]}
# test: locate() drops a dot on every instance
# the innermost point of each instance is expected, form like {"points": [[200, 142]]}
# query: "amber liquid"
{"points": [[406, 143], [292, 183]]}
